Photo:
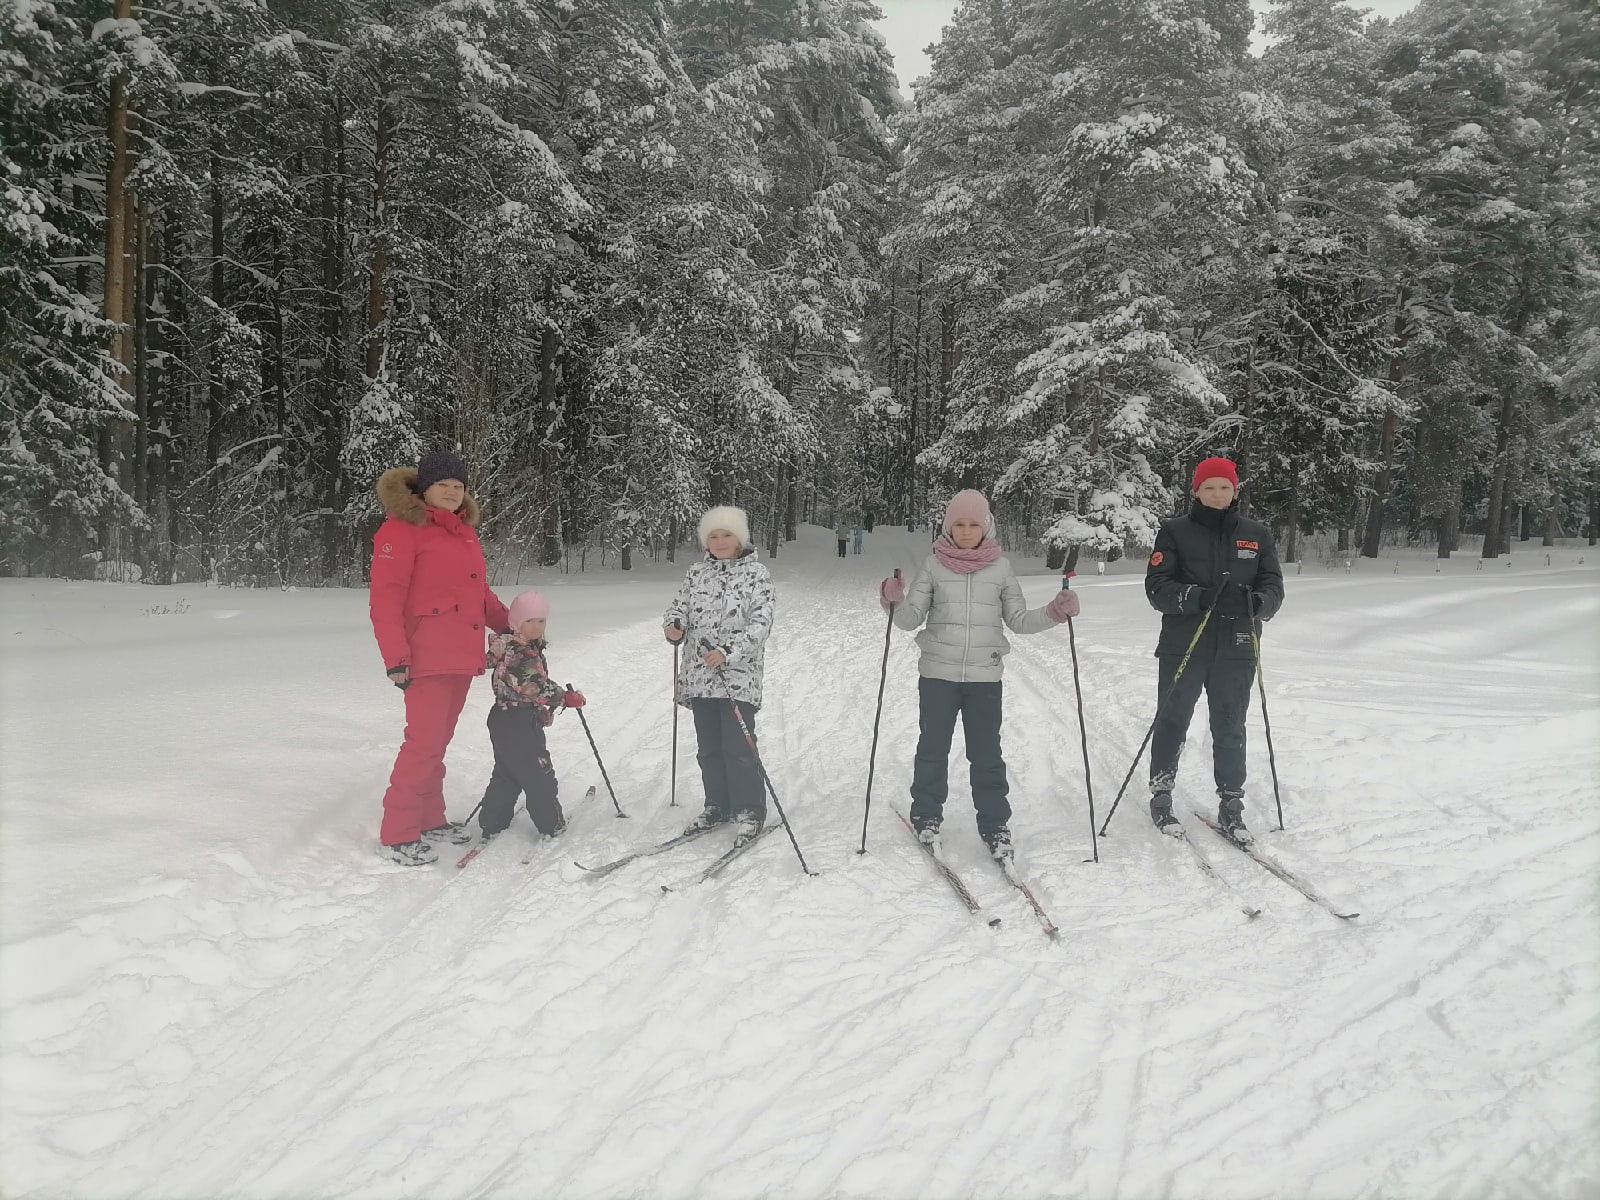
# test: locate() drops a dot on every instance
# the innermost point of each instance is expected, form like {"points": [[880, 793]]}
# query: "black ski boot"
{"points": [[1230, 815], [1161, 814], [999, 842], [709, 818], [747, 827]]}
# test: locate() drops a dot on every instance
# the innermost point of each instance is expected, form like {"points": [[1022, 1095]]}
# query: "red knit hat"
{"points": [[1215, 468]]}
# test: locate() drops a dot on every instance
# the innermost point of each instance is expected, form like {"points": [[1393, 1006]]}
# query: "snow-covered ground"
{"points": [[212, 986]]}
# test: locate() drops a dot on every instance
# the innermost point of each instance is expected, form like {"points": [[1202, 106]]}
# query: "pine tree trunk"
{"points": [[775, 521], [157, 448], [115, 440], [334, 208], [1552, 523], [141, 369], [1391, 426], [1449, 530], [1495, 534], [1247, 411], [380, 218], [1594, 515], [215, 396], [549, 466], [1512, 485], [116, 232], [916, 402], [1292, 542]]}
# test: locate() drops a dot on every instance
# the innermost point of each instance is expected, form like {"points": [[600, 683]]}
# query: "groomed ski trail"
{"points": [[307, 1020]]}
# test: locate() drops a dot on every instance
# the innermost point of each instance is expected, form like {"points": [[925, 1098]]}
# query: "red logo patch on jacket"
{"points": [[1157, 558], [1244, 545]]}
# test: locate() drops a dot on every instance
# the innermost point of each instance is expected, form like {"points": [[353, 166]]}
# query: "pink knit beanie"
{"points": [[529, 606], [968, 505]]}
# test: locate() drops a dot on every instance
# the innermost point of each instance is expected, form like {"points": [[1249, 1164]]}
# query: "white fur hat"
{"points": [[725, 516]]}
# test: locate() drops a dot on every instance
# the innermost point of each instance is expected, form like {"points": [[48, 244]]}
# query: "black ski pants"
{"points": [[728, 766], [1227, 686], [521, 767], [979, 707]]}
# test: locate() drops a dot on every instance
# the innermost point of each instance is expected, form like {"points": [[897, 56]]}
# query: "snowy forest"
{"points": [[632, 257]]}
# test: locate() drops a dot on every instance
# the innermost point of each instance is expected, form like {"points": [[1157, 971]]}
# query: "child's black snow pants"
{"points": [[521, 766]]}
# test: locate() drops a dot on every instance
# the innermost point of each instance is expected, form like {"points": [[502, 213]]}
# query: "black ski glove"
{"points": [[1233, 601], [1208, 597], [400, 676], [1263, 605]]}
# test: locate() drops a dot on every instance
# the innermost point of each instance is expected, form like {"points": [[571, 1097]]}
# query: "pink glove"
{"points": [[1063, 605], [572, 699], [892, 591]]}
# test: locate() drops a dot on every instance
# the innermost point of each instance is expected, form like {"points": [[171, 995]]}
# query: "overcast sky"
{"points": [[910, 25]]}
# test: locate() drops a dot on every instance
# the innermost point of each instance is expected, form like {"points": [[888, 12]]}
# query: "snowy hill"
{"points": [[212, 986]]}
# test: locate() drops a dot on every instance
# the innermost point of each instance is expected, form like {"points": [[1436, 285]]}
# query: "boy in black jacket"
{"points": [[1211, 560]]}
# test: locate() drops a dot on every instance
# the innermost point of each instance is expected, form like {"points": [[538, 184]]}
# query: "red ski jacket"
{"points": [[430, 598]]}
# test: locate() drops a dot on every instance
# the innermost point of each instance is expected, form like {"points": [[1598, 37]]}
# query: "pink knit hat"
{"points": [[529, 606], [968, 505]]}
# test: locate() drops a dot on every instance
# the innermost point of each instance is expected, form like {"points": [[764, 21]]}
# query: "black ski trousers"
{"points": [[1227, 686], [979, 707], [521, 767], [728, 767]]}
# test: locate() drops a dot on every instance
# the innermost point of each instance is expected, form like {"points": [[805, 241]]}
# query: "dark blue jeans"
{"points": [[978, 705]]}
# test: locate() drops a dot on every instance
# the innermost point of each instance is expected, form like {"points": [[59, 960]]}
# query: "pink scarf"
{"points": [[965, 562]]}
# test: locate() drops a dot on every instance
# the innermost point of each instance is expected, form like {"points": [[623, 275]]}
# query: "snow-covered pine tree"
{"points": [[61, 392], [1091, 136]]}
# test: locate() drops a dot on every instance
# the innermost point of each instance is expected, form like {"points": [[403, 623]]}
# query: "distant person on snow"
{"points": [[525, 702], [966, 592], [727, 601], [857, 538], [431, 605], [841, 534], [1211, 560]]}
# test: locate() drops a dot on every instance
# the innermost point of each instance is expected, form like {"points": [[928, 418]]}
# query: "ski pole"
{"points": [[1067, 572], [1261, 689], [1160, 704], [760, 766], [872, 758], [677, 648], [585, 722]]}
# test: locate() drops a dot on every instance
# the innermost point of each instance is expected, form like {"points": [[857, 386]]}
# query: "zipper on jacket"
{"points": [[966, 651]]}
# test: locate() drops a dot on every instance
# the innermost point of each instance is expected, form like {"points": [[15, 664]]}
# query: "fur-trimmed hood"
{"points": [[398, 500]]}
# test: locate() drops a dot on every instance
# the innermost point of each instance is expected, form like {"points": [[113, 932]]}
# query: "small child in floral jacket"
{"points": [[525, 702]]}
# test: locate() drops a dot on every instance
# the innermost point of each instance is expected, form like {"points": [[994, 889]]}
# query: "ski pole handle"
{"points": [[1069, 569]]}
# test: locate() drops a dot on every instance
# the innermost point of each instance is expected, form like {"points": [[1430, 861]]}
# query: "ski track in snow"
{"points": [[209, 985]]}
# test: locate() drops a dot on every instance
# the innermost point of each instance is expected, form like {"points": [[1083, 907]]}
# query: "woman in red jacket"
{"points": [[431, 608]]}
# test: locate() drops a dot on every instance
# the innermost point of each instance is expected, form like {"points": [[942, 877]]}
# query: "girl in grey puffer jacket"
{"points": [[964, 592], [723, 614]]}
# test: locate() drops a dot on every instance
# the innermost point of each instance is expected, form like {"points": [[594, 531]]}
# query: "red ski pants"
{"points": [[415, 799]]}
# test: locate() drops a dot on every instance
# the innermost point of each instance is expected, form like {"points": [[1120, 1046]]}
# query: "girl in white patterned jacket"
{"points": [[723, 614]]}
